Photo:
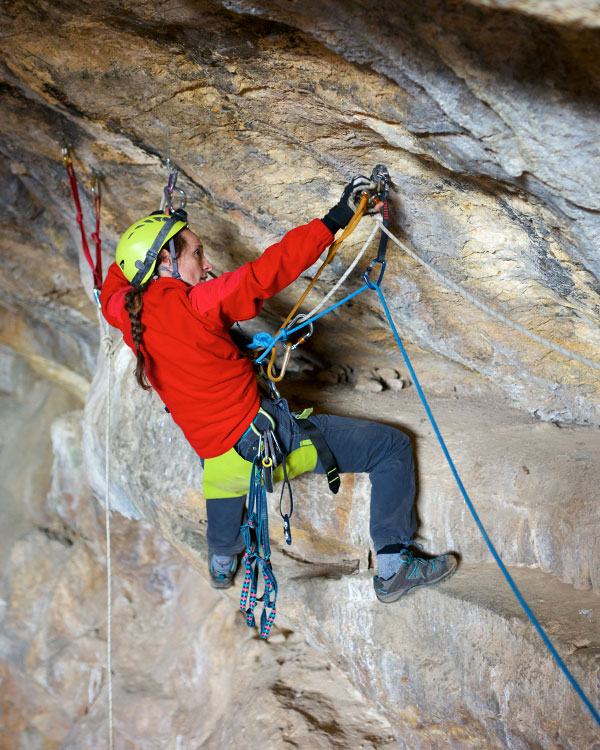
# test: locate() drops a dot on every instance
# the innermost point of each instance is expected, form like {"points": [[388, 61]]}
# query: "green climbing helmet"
{"points": [[140, 245]]}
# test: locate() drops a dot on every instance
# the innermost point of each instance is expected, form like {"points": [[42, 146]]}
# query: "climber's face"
{"points": [[191, 262]]}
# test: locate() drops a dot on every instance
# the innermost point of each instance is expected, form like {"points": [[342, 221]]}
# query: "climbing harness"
{"points": [[269, 342], [96, 191], [271, 465], [313, 433]]}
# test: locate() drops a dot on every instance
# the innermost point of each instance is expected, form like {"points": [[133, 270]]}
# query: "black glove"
{"points": [[339, 216]]}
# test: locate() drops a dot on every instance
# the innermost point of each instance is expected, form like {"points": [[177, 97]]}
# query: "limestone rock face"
{"points": [[471, 632], [486, 118], [486, 114], [187, 671]]}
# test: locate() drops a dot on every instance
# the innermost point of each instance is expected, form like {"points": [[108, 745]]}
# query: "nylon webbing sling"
{"points": [[314, 434]]}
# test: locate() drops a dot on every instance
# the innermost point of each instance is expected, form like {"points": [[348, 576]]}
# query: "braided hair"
{"points": [[134, 304]]}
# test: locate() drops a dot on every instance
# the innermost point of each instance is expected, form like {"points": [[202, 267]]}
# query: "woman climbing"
{"points": [[177, 321]]}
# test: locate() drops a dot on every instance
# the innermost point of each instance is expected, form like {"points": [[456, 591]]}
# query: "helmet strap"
{"points": [[145, 267], [175, 272]]}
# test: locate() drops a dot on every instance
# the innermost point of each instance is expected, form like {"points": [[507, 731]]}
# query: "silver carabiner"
{"points": [[305, 336], [182, 200], [96, 181]]}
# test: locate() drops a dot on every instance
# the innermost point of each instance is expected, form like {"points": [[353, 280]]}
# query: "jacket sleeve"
{"points": [[112, 296], [239, 295]]}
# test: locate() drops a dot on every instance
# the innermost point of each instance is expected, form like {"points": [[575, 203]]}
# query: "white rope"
{"points": [[343, 278], [485, 308], [109, 350]]}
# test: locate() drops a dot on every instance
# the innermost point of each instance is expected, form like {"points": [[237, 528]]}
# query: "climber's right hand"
{"points": [[339, 216]]}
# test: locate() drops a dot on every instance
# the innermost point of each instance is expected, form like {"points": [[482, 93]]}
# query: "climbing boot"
{"points": [[413, 572], [222, 569]]}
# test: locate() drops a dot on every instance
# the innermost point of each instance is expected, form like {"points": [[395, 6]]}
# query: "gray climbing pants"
{"points": [[359, 446]]}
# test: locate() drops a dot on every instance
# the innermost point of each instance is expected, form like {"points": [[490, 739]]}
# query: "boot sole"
{"points": [[389, 598], [221, 584]]}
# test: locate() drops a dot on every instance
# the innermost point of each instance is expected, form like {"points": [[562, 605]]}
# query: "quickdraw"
{"points": [[287, 526], [96, 191], [168, 191]]}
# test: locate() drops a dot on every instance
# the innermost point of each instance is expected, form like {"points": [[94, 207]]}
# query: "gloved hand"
{"points": [[339, 216]]}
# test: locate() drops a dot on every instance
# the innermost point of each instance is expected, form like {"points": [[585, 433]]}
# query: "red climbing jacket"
{"points": [[191, 361]]}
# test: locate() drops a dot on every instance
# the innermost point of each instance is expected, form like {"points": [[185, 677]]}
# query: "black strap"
{"points": [[314, 434]]}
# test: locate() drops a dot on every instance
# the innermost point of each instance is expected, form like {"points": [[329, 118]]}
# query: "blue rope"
{"points": [[511, 583], [282, 335]]}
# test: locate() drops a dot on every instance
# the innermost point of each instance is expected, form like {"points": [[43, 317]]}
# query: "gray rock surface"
{"points": [[187, 670], [540, 520], [486, 113], [486, 118]]}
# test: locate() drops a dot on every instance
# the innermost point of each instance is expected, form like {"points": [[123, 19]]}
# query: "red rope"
{"points": [[96, 234], [97, 268]]}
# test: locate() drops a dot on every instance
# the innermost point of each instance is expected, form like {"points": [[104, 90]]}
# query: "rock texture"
{"points": [[486, 118], [486, 113], [467, 634], [200, 693]]}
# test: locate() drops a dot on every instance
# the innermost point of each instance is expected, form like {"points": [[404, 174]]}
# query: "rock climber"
{"points": [[177, 321]]}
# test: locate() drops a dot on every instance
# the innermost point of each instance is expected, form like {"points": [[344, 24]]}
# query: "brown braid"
{"points": [[134, 304]]}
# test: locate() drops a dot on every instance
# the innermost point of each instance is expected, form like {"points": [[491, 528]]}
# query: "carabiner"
{"points": [[370, 267], [170, 188], [284, 364], [96, 181], [182, 200], [305, 336], [97, 189], [381, 177], [173, 172], [287, 529], [66, 153]]}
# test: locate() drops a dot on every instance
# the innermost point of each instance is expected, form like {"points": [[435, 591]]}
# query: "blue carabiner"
{"points": [[370, 284]]}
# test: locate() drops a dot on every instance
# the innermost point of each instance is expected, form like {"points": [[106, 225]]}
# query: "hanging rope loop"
{"points": [[68, 162], [97, 193]]}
